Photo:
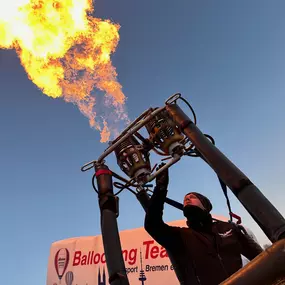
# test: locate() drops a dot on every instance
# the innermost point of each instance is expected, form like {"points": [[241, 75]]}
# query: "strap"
{"points": [[224, 188], [223, 185], [238, 218], [232, 215]]}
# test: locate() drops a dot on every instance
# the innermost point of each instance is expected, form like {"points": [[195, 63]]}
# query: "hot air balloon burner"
{"points": [[165, 127], [133, 159], [165, 134]]}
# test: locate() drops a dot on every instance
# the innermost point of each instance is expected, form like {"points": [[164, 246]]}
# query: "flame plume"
{"points": [[66, 53]]}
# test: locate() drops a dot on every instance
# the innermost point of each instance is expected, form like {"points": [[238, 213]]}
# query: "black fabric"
{"points": [[197, 218], [199, 257]]}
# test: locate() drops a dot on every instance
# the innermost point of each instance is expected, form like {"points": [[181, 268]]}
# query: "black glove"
{"points": [[162, 179]]}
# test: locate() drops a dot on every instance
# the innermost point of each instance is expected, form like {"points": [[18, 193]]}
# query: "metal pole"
{"points": [[109, 227], [263, 212]]}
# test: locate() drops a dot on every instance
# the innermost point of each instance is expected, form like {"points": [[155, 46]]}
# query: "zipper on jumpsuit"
{"points": [[220, 258]]}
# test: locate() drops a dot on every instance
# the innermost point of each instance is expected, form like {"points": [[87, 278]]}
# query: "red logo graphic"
{"points": [[61, 262], [69, 278]]}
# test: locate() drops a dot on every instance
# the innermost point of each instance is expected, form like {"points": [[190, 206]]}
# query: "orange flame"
{"points": [[66, 53]]}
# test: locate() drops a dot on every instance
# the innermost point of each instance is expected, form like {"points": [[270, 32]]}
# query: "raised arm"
{"points": [[165, 235]]}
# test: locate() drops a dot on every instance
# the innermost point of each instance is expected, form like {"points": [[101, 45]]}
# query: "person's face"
{"points": [[192, 200]]}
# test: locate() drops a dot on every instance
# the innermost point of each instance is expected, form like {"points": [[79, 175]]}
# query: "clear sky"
{"points": [[225, 57]]}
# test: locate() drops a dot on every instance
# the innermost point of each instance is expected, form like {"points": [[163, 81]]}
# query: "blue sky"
{"points": [[225, 57]]}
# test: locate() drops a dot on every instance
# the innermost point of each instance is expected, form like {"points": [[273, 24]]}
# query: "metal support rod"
{"points": [[175, 159], [263, 212], [131, 125], [109, 227], [130, 132]]}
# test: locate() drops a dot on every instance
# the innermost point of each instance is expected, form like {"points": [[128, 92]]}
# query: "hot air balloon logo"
{"points": [[61, 262], [69, 278]]}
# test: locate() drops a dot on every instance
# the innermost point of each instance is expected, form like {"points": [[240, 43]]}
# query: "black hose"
{"points": [[93, 183], [192, 110]]}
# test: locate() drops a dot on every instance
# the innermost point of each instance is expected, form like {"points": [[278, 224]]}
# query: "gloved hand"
{"points": [[162, 179]]}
